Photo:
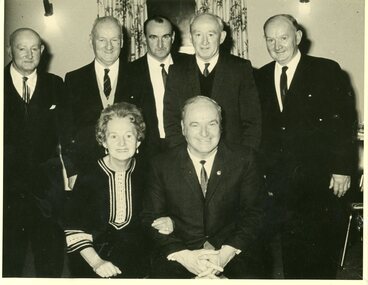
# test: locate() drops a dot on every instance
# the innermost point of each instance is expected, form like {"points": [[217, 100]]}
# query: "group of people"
{"points": [[180, 166]]}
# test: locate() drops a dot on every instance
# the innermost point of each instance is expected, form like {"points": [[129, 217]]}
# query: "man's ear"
{"points": [[182, 127], [222, 37], [299, 35], [42, 48], [173, 37], [90, 41], [121, 41], [9, 52], [138, 143]]}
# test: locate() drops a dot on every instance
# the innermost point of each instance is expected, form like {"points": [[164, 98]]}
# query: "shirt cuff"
{"points": [[231, 248]]}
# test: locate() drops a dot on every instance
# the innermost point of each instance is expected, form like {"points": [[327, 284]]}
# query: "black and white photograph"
{"points": [[153, 140]]}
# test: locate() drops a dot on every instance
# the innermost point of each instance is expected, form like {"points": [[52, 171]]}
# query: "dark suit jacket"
{"points": [[313, 134], [233, 89], [82, 107], [30, 134], [140, 93], [230, 214]]}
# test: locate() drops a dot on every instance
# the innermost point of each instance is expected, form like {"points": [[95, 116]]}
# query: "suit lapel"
{"points": [[92, 85], [270, 78], [217, 173], [189, 173], [217, 88], [193, 76]]}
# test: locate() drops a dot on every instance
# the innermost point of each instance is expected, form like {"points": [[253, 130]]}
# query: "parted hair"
{"points": [[120, 110]]}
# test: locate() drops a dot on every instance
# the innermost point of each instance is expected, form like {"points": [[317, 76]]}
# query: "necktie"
{"points": [[203, 178], [283, 83], [25, 94], [107, 83], [163, 73], [205, 70]]}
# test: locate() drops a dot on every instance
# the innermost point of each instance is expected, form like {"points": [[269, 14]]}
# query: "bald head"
{"points": [[25, 49]]}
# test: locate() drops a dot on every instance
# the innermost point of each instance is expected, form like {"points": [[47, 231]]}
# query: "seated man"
{"points": [[212, 193]]}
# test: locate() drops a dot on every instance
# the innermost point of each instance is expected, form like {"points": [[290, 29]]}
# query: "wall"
{"points": [[335, 28]]}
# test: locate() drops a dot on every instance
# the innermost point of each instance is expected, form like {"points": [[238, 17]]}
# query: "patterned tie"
{"points": [[163, 73], [107, 83], [25, 94], [283, 84], [204, 178], [205, 70]]}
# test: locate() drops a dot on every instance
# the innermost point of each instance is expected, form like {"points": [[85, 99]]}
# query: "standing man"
{"points": [[30, 143], [90, 89], [222, 77], [212, 193], [147, 80], [305, 150]]}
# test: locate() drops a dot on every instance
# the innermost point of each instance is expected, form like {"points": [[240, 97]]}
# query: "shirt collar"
{"points": [[212, 62], [209, 160], [156, 63], [292, 64], [101, 69], [20, 76]]}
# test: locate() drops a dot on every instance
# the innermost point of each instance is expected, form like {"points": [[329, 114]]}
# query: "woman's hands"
{"points": [[103, 268]]}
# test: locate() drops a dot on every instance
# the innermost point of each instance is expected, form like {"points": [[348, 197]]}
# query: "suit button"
{"points": [[283, 128], [320, 119], [131, 97], [310, 95], [336, 116]]}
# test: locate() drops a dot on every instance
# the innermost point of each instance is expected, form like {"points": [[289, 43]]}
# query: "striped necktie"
{"points": [[203, 178], [107, 83]]}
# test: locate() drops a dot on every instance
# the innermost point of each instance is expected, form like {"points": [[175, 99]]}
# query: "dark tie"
{"points": [[107, 83], [25, 94], [205, 70], [163, 73], [283, 83], [204, 178]]}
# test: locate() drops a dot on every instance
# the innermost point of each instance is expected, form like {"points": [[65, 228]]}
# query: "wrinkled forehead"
{"points": [[201, 111], [26, 37], [205, 22], [107, 27], [280, 23]]}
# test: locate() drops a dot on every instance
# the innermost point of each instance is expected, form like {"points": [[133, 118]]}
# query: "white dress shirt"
{"points": [[201, 63], [113, 74], [17, 79], [289, 73], [158, 87], [198, 166]]}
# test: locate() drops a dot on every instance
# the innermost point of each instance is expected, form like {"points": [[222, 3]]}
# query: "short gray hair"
{"points": [[287, 17], [195, 99], [217, 18], [105, 20]]}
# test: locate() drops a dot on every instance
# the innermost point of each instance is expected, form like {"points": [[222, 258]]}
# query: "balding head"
{"points": [[25, 49]]}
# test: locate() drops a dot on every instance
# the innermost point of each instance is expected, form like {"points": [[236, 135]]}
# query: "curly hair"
{"points": [[120, 110]]}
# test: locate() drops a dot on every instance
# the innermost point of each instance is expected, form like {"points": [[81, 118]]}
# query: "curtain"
{"points": [[131, 14], [234, 14]]}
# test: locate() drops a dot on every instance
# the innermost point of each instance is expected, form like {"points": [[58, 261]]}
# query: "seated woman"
{"points": [[102, 217]]}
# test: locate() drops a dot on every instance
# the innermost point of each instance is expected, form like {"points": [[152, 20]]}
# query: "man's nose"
{"points": [[205, 40], [278, 45], [29, 54], [204, 131], [160, 43], [109, 45]]}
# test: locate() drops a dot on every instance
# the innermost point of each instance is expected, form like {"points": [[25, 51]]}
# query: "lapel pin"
{"points": [[218, 172]]}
